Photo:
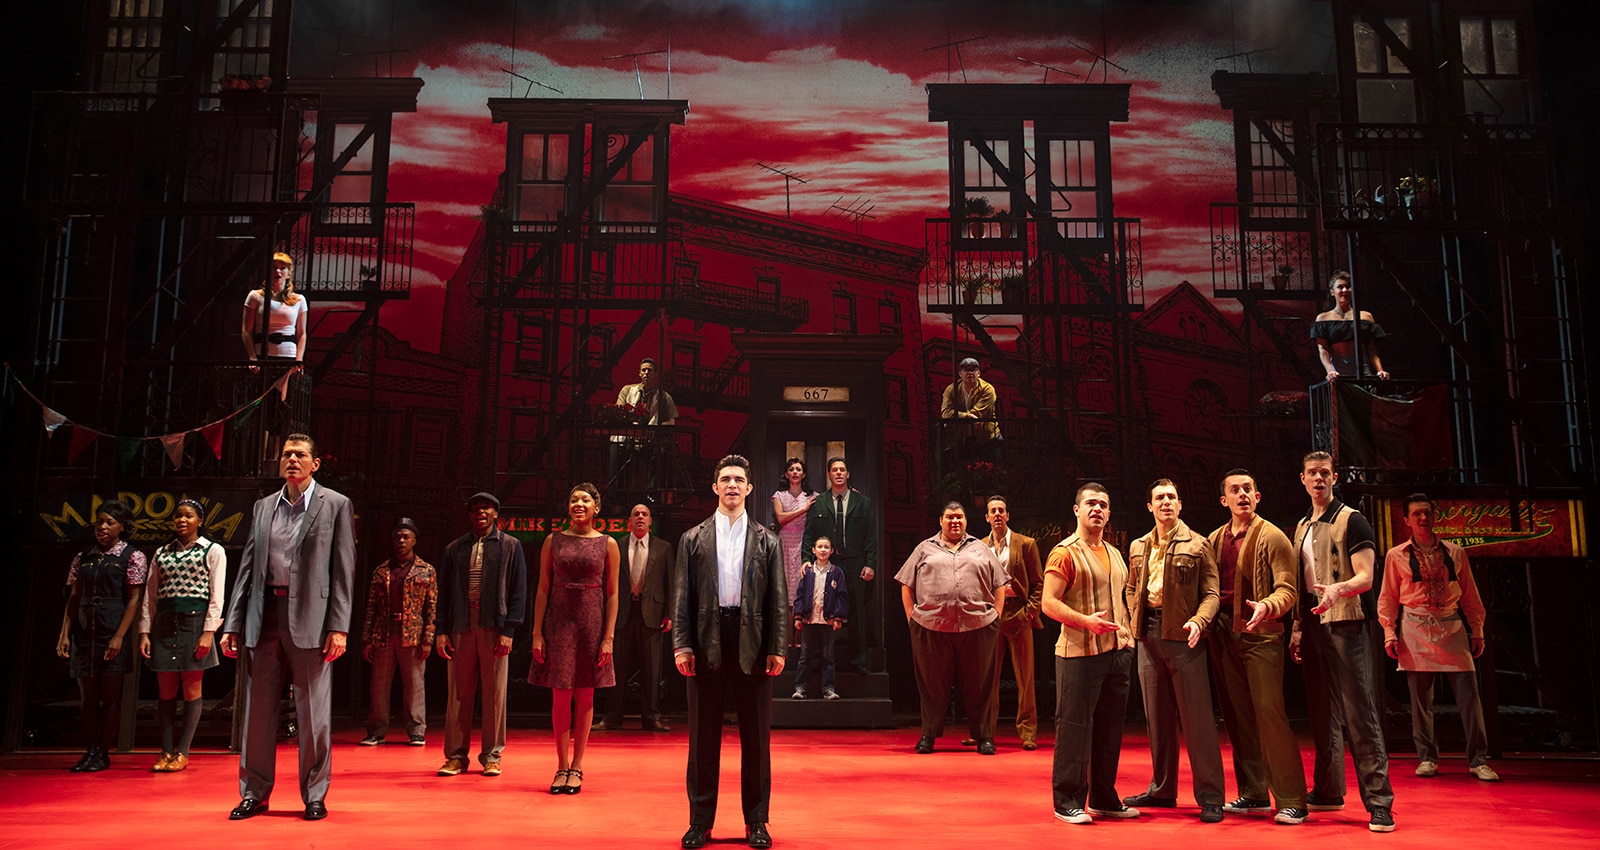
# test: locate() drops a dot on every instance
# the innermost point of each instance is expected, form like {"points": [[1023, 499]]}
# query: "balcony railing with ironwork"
{"points": [[356, 251], [1404, 433], [1266, 251], [1019, 267], [1436, 176]]}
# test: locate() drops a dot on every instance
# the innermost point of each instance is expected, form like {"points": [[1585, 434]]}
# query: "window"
{"points": [[1273, 184], [889, 315], [428, 439], [1074, 191], [844, 309], [247, 49], [130, 57], [542, 181], [530, 356], [1385, 92], [896, 399], [632, 195], [1493, 87]]}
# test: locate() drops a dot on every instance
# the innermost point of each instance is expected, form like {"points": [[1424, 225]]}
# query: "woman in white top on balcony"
{"points": [[287, 310]]}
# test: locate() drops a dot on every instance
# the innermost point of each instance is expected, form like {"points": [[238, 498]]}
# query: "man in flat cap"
{"points": [[971, 399], [483, 594], [402, 600]]}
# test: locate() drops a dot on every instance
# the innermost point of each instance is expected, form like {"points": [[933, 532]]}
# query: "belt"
{"points": [[637, 596], [278, 589], [728, 611], [280, 339]]}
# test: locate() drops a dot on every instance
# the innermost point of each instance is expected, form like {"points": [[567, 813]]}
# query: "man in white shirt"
{"points": [[730, 607], [641, 621]]}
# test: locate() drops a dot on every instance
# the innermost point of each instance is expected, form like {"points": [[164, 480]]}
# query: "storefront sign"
{"points": [[1546, 528], [66, 517]]}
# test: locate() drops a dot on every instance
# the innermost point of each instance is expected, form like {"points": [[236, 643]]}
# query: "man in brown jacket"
{"points": [[1256, 583], [398, 632], [1172, 597], [1019, 554]]}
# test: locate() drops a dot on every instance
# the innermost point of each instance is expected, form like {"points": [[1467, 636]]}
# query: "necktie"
{"points": [[838, 519]]}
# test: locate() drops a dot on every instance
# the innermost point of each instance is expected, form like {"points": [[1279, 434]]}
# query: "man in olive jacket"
{"points": [[1172, 596]]}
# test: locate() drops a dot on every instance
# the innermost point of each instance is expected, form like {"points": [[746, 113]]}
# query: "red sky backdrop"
{"points": [[830, 89]]}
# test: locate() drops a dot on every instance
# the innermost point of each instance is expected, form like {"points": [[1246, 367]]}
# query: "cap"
{"points": [[968, 363], [481, 496], [280, 257], [407, 522]]}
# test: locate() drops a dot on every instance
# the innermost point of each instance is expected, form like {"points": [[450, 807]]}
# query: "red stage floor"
{"points": [[830, 789]]}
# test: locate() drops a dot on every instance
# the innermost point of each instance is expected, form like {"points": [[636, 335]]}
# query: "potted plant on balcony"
{"points": [[1280, 281], [974, 211], [1419, 194]]}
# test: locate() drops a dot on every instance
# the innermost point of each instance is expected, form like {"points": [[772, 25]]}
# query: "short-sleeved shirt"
{"points": [[953, 590], [282, 319], [138, 568]]}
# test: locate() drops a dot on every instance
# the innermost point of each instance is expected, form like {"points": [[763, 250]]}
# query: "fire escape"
{"points": [[1039, 278], [578, 246], [1430, 176], [161, 196]]}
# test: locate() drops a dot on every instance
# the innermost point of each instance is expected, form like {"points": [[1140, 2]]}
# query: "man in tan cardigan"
{"points": [[1256, 582]]}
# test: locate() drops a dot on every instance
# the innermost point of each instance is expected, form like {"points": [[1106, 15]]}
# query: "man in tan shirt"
{"points": [[1084, 582]]}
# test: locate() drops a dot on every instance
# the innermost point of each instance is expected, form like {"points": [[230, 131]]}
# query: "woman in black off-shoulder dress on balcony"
{"points": [[1335, 333]]}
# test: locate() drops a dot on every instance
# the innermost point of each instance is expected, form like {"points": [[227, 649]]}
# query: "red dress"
{"points": [[574, 616]]}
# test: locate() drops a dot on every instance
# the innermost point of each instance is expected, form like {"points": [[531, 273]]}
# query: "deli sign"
{"points": [[1545, 528]]}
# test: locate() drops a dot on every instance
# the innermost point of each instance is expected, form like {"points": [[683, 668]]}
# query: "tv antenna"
{"points": [[1245, 54], [788, 177], [635, 57], [531, 82], [1098, 58], [377, 53], [959, 60], [1047, 68], [855, 211], [338, 43]]}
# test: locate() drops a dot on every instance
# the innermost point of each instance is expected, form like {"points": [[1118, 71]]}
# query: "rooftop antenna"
{"points": [[1098, 57], [635, 57], [1244, 54], [788, 177], [1047, 68], [855, 211], [957, 45], [375, 54], [531, 82]]}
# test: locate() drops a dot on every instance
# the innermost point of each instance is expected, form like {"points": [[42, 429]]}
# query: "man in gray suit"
{"points": [[728, 594], [641, 620], [291, 604]]}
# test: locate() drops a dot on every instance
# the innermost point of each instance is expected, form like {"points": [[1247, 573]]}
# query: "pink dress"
{"points": [[790, 535], [574, 616]]}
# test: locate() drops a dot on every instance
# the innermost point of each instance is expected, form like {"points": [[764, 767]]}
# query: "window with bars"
{"points": [[1274, 186], [247, 50], [130, 56]]}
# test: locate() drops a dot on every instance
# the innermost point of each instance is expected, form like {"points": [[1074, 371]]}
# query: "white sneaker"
{"points": [[1427, 768], [1484, 772], [1073, 816]]}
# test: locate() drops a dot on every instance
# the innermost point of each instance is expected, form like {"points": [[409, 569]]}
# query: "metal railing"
{"points": [[1021, 266], [1477, 439], [1267, 249], [356, 251]]}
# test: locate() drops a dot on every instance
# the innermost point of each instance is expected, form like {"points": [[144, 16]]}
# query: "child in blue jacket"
{"points": [[821, 605]]}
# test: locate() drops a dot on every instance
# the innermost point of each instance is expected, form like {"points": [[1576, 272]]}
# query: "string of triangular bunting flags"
{"points": [[127, 447]]}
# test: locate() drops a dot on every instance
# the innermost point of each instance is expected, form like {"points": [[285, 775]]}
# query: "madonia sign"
{"points": [[68, 518]]}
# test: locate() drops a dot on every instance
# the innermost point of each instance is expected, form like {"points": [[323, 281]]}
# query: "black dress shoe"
{"points": [[248, 808], [315, 810], [100, 762], [756, 835], [82, 766], [697, 836], [986, 747], [657, 727], [925, 744]]}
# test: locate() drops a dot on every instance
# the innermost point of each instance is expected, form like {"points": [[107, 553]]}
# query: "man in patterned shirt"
{"points": [[401, 603]]}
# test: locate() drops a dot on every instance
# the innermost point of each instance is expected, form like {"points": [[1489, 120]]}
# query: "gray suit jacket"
{"points": [[321, 574], [655, 584], [763, 604]]}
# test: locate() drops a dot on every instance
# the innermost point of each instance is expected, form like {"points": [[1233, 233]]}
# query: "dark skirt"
{"points": [[91, 634], [173, 636]]}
